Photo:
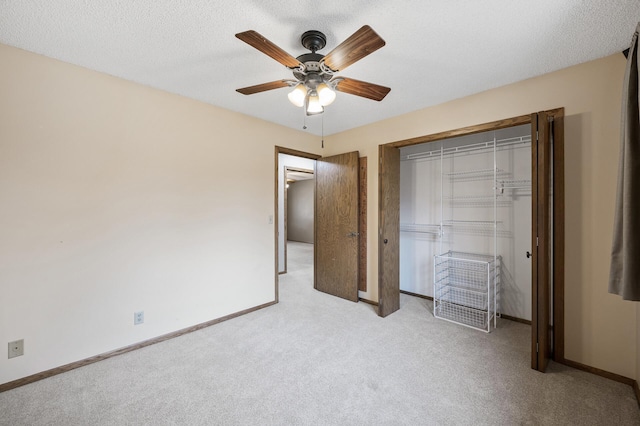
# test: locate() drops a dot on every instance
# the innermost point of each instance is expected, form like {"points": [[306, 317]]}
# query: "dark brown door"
{"points": [[389, 231], [336, 233], [542, 239]]}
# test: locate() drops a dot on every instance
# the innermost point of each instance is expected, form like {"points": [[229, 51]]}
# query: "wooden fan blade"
{"points": [[360, 44], [362, 88], [263, 87], [256, 40]]}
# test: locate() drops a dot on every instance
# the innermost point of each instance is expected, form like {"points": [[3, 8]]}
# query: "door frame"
{"points": [[276, 224], [558, 200], [388, 230], [362, 221]]}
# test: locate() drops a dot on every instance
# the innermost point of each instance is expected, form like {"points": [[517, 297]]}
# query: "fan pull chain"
{"points": [[322, 131]]}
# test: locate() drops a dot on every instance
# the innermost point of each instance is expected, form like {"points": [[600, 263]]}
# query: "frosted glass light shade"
{"points": [[298, 95], [326, 95], [313, 104]]}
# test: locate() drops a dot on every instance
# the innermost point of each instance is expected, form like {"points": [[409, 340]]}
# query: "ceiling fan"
{"points": [[315, 81]]}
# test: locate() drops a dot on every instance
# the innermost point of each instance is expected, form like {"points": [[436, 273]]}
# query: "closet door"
{"points": [[542, 239]]}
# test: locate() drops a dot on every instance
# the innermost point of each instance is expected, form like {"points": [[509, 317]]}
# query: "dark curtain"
{"points": [[624, 276]]}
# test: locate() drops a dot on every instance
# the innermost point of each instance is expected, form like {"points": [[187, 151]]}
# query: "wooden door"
{"points": [[389, 231], [336, 232], [542, 240]]}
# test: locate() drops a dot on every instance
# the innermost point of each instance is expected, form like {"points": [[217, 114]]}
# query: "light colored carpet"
{"points": [[316, 359]]}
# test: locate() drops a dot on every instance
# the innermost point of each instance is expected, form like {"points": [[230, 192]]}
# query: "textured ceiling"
{"points": [[436, 50]]}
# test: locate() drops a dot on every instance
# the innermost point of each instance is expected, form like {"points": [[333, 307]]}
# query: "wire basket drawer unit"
{"points": [[466, 289]]}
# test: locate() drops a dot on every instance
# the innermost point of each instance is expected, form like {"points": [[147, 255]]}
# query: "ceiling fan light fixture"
{"points": [[313, 104], [326, 95], [298, 95], [315, 84]]}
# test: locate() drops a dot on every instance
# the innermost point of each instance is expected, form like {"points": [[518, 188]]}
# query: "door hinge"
{"points": [[537, 348], [537, 242], [537, 138]]}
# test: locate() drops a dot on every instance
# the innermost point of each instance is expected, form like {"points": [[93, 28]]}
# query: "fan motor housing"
{"points": [[311, 63], [310, 57]]}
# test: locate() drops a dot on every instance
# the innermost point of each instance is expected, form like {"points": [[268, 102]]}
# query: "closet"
{"points": [[465, 225]]}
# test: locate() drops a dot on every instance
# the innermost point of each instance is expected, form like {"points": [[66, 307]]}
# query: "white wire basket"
{"points": [[466, 289]]}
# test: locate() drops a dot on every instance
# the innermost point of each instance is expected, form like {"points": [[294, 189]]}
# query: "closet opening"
{"points": [[478, 225], [465, 223]]}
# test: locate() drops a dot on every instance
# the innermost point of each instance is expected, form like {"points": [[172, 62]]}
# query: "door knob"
{"points": [[385, 241]]}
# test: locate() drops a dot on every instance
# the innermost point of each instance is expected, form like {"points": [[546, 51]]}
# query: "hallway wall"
{"points": [[300, 206]]}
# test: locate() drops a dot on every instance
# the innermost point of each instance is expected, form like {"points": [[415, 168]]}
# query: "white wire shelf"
{"points": [[473, 197], [421, 228], [498, 200], [459, 226], [470, 198], [476, 174], [464, 315], [479, 223], [445, 152], [476, 258], [514, 184], [463, 296], [488, 231]]}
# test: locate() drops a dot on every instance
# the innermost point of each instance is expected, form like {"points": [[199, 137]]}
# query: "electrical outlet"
{"points": [[138, 317], [16, 348]]}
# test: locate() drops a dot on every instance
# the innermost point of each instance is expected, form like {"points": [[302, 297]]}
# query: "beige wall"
{"points": [[600, 328], [117, 198]]}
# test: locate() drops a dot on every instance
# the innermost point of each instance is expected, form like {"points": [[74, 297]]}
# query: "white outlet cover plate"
{"points": [[16, 348]]}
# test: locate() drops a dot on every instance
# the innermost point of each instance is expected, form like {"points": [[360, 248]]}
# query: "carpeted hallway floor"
{"points": [[314, 359]]}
